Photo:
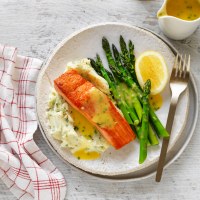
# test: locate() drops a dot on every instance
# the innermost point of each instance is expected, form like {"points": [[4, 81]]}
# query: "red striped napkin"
{"points": [[27, 172]]}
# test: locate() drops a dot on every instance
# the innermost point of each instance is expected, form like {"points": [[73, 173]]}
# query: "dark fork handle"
{"points": [[165, 143]]}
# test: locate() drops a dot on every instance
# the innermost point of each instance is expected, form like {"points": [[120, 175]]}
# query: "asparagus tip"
{"points": [[115, 52], [130, 43], [105, 43], [104, 40], [122, 39], [147, 87], [114, 47], [91, 60], [97, 55]]}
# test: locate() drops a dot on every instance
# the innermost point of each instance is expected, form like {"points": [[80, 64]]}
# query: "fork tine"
{"points": [[180, 67], [175, 68], [184, 66], [188, 65]]}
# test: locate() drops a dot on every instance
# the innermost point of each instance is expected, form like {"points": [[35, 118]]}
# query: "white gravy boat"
{"points": [[174, 27]]}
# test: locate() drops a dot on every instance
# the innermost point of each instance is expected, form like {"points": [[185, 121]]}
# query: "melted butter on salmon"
{"points": [[102, 115]]}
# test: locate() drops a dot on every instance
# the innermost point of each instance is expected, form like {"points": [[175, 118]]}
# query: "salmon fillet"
{"points": [[83, 96]]}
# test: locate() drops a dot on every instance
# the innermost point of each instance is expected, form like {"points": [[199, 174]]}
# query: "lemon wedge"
{"points": [[151, 65]]}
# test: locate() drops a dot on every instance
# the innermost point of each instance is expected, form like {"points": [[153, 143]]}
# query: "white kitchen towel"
{"points": [[27, 172]]}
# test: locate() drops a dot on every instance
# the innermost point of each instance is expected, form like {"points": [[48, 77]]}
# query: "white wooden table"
{"points": [[36, 26]]}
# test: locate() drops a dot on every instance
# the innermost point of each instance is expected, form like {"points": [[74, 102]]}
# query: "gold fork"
{"points": [[178, 83]]}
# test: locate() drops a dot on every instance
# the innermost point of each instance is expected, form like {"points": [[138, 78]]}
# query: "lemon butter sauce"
{"points": [[184, 9], [156, 101]]}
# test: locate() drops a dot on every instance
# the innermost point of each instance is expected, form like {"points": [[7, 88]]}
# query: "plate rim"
{"points": [[106, 177]]}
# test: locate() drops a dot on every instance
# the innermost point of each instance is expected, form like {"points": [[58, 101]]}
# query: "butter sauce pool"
{"points": [[184, 9]]}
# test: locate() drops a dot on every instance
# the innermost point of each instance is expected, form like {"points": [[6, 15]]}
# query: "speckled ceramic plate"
{"points": [[86, 43]]}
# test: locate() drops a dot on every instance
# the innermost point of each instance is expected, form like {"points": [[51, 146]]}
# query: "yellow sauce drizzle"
{"points": [[156, 101], [81, 124], [82, 154], [85, 128]]}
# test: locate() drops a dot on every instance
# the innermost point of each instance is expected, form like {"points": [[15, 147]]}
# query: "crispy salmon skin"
{"points": [[83, 96]]}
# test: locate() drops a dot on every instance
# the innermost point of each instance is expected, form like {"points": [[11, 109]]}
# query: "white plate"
{"points": [[86, 43]]}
